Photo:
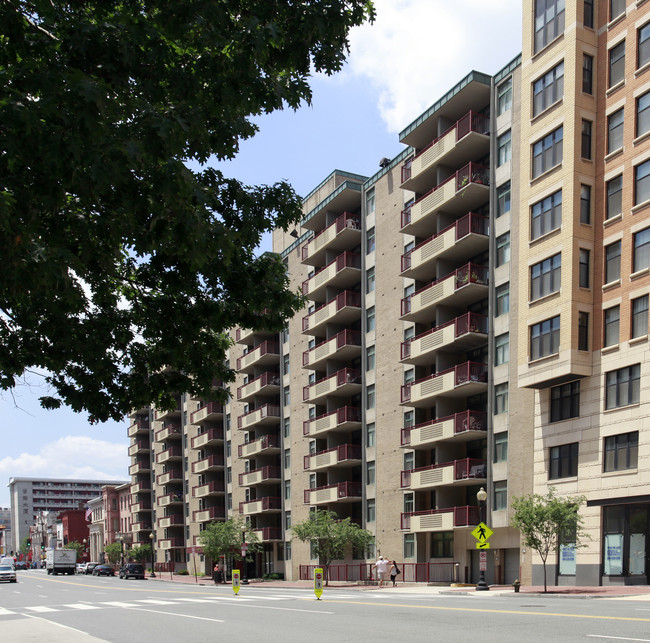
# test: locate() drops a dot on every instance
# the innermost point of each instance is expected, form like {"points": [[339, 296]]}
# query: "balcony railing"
{"points": [[168, 454], [463, 373], [346, 299], [139, 446], [269, 533], [329, 346], [170, 498], [462, 422], [267, 503], [168, 476], [269, 347], [204, 412], [347, 221], [211, 435], [462, 516], [139, 466], [271, 441], [211, 462], [332, 492], [465, 469], [333, 456], [170, 543], [330, 421], [169, 431], [338, 379], [171, 521], [266, 411], [260, 475], [211, 513], [344, 260], [440, 573], [270, 378], [215, 487]]}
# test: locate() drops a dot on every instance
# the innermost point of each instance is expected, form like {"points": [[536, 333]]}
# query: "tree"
{"points": [[221, 539], [78, 547], [140, 553], [331, 538], [547, 522], [25, 546], [113, 552], [124, 267]]}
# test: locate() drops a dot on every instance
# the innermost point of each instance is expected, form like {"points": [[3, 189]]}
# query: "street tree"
{"points": [[126, 257], [548, 522], [140, 553], [113, 552], [224, 539], [25, 546], [78, 547], [331, 538]]}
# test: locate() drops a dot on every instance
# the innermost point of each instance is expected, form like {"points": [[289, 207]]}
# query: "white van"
{"points": [[8, 560]]}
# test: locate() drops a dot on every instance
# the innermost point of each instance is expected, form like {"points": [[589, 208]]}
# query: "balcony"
{"points": [[213, 513], [267, 414], [143, 486], [141, 526], [344, 455], [267, 444], [471, 181], [466, 139], [211, 412], [170, 454], [140, 446], [339, 492], [461, 334], [343, 383], [460, 288], [440, 519], [164, 414], [216, 488], [459, 473], [265, 474], [267, 534], [345, 419], [464, 238], [469, 378], [343, 346], [172, 431], [460, 427], [211, 438], [211, 463], [173, 475], [244, 336], [140, 426], [174, 498], [171, 521], [171, 543], [137, 507], [260, 505], [343, 272], [343, 309], [266, 354], [141, 466], [344, 233], [266, 384]]}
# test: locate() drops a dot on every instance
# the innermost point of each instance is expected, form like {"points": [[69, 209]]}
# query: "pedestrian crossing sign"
{"points": [[482, 532]]}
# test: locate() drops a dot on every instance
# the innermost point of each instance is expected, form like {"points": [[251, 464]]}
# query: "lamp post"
{"points": [[120, 538], [153, 573], [481, 496], [85, 556], [244, 551]]}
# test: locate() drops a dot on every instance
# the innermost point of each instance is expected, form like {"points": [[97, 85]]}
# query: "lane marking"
{"points": [[81, 606], [198, 618], [5, 612], [65, 627], [41, 608], [154, 601], [195, 600], [117, 604], [614, 638]]}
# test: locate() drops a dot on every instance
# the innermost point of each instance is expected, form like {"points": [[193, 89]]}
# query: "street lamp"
{"points": [[244, 551], [481, 496], [153, 573], [85, 556], [120, 537]]}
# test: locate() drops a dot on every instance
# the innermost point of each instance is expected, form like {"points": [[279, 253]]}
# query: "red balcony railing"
{"points": [[270, 533], [173, 474], [344, 260], [343, 415], [463, 421], [170, 429], [210, 461], [265, 442], [175, 496], [411, 572], [343, 299], [212, 408], [343, 452], [268, 503], [269, 347], [268, 410], [267, 473], [344, 376], [343, 490], [214, 513], [270, 378], [344, 338], [466, 372], [173, 543], [172, 520], [217, 486], [463, 469], [172, 452], [346, 220], [463, 516], [216, 433]]}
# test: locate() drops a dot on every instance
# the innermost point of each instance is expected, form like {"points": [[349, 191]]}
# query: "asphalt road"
{"points": [[82, 609]]}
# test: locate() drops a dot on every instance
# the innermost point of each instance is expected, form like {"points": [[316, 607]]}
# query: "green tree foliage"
{"points": [[331, 538], [225, 539], [140, 553], [78, 547], [546, 522], [123, 268], [113, 553], [24, 547]]}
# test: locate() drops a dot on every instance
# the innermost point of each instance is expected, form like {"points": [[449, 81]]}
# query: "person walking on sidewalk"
{"points": [[381, 566], [394, 570]]}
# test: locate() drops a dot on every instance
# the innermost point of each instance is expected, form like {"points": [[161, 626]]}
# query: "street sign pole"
{"points": [[318, 582]]}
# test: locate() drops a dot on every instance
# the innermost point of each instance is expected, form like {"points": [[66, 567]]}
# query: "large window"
{"points": [[613, 262], [616, 8], [548, 89], [643, 114], [642, 183], [614, 197], [504, 148], [370, 396], [617, 64], [500, 495], [641, 259], [546, 215], [503, 199], [565, 401], [545, 338], [501, 446], [563, 461], [588, 15], [612, 321], [503, 299], [549, 21], [643, 51], [370, 319], [585, 147], [502, 349], [621, 451], [583, 331], [370, 280], [504, 97], [640, 316], [370, 201], [370, 240], [501, 398], [547, 152], [585, 204], [503, 249], [622, 386], [583, 277], [409, 546], [588, 74], [442, 544], [615, 131], [545, 277]]}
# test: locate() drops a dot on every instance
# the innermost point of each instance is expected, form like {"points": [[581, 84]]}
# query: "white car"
{"points": [[80, 568], [8, 572]]}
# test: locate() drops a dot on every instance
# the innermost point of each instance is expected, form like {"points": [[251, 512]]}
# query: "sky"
{"points": [[413, 54]]}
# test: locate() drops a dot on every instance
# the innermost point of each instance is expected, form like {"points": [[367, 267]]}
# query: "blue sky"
{"points": [[414, 53]]}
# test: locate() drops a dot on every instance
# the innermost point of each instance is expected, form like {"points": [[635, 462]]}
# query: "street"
{"points": [[87, 608]]}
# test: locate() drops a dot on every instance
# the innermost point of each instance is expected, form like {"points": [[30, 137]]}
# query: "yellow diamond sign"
{"points": [[482, 532]]}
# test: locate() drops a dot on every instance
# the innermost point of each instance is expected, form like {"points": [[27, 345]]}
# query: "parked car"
{"points": [[103, 570], [132, 570], [20, 564], [81, 568], [8, 573], [90, 567]]}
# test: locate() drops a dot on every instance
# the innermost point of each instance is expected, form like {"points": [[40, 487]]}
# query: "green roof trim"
{"points": [[287, 251], [508, 69], [349, 175], [346, 185], [404, 154]]}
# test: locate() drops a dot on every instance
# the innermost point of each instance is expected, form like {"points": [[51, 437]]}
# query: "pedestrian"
{"points": [[394, 570], [381, 566], [215, 573]]}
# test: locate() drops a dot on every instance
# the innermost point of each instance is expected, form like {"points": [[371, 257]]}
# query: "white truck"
{"points": [[61, 561]]}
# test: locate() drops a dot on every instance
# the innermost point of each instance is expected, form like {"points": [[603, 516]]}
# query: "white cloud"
{"points": [[417, 50]]}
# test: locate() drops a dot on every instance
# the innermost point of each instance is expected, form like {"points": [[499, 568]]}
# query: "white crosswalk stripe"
{"points": [[5, 612], [195, 600], [42, 608], [154, 601], [82, 606], [117, 604]]}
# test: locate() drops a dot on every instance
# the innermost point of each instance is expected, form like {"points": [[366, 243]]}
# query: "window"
{"points": [[409, 376], [588, 15], [548, 89], [500, 495], [621, 451], [547, 152], [622, 386], [370, 396], [287, 458], [546, 215], [409, 418], [545, 277], [501, 398], [287, 427], [612, 317], [370, 280], [409, 546], [643, 114], [370, 201], [503, 199], [287, 489], [286, 364], [585, 150], [501, 446], [370, 472], [370, 510], [565, 401], [585, 204], [614, 197], [641, 257], [615, 131], [504, 148], [640, 316], [563, 461], [643, 52], [502, 349], [617, 64], [370, 358], [370, 435], [616, 8], [583, 276], [370, 319], [642, 183], [549, 21], [503, 299], [287, 397], [370, 240], [503, 249], [583, 331], [409, 502], [409, 461], [442, 544], [287, 520], [504, 97], [545, 338], [613, 262], [588, 74]]}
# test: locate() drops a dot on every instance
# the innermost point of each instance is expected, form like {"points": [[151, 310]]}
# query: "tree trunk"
{"points": [[544, 566]]}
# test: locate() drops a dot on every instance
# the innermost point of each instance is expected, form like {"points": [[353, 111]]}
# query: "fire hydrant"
{"points": [[516, 584]]}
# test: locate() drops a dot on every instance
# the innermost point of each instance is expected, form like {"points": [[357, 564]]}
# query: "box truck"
{"points": [[61, 561]]}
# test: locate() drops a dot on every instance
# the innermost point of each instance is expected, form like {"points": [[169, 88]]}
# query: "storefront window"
{"points": [[568, 559], [614, 518]]}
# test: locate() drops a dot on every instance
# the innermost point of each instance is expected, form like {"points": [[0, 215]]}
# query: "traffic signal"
{"points": [[29, 543], [42, 546]]}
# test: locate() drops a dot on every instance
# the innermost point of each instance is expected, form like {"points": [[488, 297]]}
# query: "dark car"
{"points": [[132, 570], [90, 567], [20, 564], [103, 570]]}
